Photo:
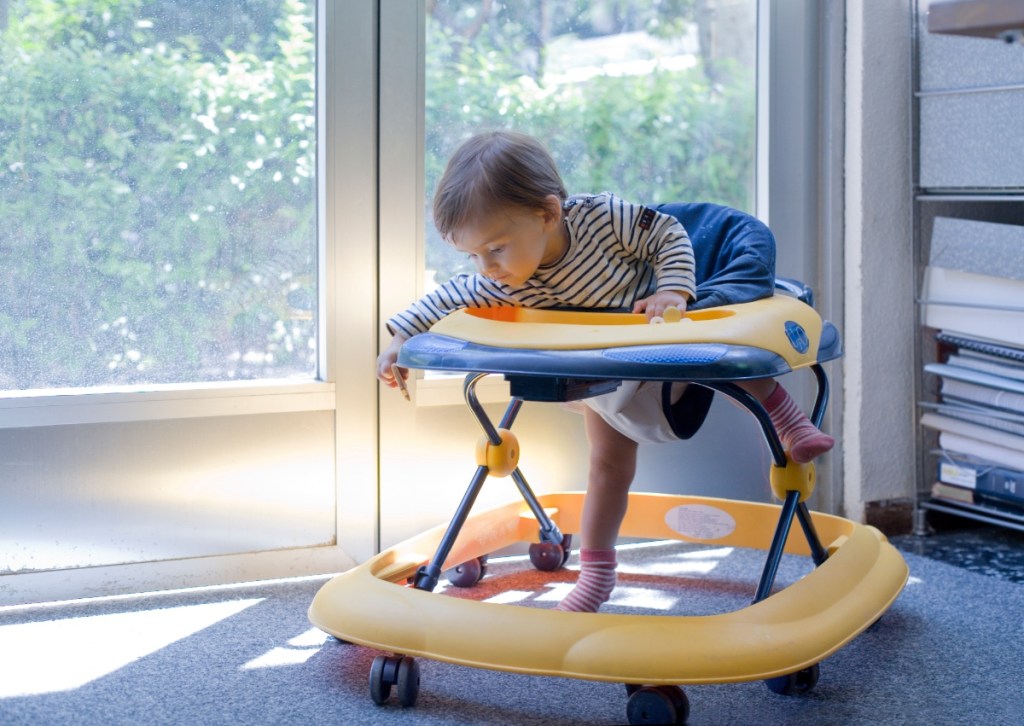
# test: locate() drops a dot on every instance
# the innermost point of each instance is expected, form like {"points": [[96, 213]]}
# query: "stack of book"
{"points": [[973, 297]]}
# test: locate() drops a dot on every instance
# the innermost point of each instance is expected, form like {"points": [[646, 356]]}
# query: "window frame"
{"points": [[363, 227]]}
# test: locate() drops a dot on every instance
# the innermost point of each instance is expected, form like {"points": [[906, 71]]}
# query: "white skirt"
{"points": [[634, 410]]}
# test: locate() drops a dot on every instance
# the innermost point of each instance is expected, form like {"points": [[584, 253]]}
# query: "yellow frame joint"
{"points": [[500, 459], [792, 477]]}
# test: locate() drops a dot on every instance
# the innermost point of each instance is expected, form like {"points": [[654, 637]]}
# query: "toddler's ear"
{"points": [[552, 208]]}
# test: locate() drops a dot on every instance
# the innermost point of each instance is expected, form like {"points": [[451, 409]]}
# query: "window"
{"points": [[158, 192], [652, 100], [197, 482]]}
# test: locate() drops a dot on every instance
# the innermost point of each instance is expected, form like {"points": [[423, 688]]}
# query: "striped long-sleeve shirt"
{"points": [[618, 253]]}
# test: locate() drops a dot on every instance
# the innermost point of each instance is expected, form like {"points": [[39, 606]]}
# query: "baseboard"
{"points": [[890, 516]]}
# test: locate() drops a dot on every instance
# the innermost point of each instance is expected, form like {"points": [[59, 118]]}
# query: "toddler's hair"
{"points": [[493, 170]]}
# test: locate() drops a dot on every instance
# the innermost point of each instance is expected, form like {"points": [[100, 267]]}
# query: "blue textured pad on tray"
{"points": [[683, 354], [439, 344]]}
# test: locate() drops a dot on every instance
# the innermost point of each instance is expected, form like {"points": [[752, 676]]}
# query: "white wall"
{"points": [[878, 446]]}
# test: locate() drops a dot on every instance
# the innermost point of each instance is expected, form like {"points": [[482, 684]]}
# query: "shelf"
{"points": [[965, 104], [988, 196], [1003, 19], [979, 513]]}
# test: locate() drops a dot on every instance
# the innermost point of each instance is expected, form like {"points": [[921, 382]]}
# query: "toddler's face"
{"points": [[509, 245]]}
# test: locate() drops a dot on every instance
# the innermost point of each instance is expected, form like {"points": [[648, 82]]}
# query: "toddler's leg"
{"points": [[612, 466], [802, 438]]}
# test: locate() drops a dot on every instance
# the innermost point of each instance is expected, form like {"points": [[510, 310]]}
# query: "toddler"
{"points": [[501, 201]]}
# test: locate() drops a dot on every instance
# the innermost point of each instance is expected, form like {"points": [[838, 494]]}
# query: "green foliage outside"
{"points": [[156, 196], [157, 187], [670, 135]]}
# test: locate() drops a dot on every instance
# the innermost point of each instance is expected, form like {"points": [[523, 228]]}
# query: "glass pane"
{"points": [[157, 192], [652, 99]]}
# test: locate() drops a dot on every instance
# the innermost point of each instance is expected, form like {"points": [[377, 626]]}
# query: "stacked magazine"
{"points": [[973, 296]]}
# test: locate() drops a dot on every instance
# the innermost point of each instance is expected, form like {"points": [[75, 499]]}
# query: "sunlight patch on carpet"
{"points": [[61, 655], [510, 597], [299, 649], [643, 598]]}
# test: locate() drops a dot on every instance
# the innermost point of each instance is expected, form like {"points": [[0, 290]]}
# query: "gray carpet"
{"points": [[948, 652]]}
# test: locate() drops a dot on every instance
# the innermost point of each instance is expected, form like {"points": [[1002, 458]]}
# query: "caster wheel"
{"points": [[407, 686], [681, 702], [381, 678], [566, 548], [657, 705], [795, 684], [394, 670], [548, 556], [468, 573]]}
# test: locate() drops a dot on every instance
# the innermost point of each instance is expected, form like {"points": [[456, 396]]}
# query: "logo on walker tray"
{"points": [[797, 336]]}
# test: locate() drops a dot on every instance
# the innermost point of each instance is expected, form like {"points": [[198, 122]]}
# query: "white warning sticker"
{"points": [[700, 521]]}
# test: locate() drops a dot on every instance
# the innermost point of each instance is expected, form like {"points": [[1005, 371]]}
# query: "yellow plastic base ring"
{"points": [[792, 629]]}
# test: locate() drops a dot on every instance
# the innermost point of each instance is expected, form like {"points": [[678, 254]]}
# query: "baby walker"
{"points": [[548, 355]]}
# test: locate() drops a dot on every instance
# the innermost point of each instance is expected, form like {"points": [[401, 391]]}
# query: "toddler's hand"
{"points": [[388, 369], [655, 305]]}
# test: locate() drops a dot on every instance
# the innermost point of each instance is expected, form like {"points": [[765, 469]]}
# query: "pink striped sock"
{"points": [[799, 436], [596, 582]]}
